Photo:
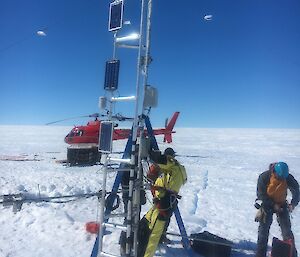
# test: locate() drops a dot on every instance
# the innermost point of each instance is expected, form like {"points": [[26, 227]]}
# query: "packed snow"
{"points": [[222, 165]]}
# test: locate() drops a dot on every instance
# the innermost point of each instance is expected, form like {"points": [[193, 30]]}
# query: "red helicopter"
{"points": [[83, 140]]}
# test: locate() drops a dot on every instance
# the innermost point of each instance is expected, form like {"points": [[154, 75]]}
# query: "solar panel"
{"points": [[111, 75], [105, 138], [116, 15]]}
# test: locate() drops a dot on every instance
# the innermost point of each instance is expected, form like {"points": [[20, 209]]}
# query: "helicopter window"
{"points": [[78, 133]]}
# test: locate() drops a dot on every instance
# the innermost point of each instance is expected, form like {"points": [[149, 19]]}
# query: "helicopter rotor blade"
{"points": [[94, 115], [97, 115], [72, 118], [120, 117]]}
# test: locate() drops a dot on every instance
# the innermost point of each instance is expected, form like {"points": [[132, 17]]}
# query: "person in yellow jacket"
{"points": [[165, 193]]}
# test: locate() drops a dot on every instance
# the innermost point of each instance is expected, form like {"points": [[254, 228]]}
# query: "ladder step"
{"points": [[127, 161], [113, 225], [108, 254], [113, 215], [117, 170]]}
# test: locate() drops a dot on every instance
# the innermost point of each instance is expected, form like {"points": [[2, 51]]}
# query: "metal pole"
{"points": [[114, 49], [102, 202], [102, 205], [106, 160], [129, 231], [141, 128], [148, 38]]}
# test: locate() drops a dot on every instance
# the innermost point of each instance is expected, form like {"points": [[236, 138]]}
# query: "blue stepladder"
{"points": [[185, 241], [117, 182]]}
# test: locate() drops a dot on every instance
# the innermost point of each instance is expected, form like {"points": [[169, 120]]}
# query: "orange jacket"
{"points": [[277, 189]]}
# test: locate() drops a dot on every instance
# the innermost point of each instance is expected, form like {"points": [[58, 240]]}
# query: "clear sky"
{"points": [[240, 69]]}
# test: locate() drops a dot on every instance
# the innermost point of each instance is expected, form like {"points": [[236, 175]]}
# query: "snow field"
{"points": [[222, 165]]}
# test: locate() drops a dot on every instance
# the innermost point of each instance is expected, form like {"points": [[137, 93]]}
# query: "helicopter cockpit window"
{"points": [[77, 133], [71, 134]]}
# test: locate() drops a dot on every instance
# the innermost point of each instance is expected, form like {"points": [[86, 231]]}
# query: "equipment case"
{"points": [[281, 248], [210, 245]]}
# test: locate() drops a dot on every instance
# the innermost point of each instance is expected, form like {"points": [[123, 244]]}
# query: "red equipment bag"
{"points": [[92, 227], [282, 248]]}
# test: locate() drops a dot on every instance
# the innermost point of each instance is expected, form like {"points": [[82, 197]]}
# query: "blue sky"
{"points": [[241, 69]]}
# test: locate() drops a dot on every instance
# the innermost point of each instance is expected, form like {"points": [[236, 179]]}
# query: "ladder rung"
{"points": [[108, 254], [127, 46], [117, 170], [127, 161], [113, 225], [113, 215]]}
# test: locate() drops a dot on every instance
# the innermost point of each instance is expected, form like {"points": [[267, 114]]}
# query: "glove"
{"points": [[277, 208], [260, 215], [153, 172], [291, 207], [155, 200]]}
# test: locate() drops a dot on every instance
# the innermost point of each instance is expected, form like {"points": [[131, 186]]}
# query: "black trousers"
{"points": [[284, 222]]}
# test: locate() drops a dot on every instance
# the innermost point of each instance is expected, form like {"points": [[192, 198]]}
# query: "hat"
{"points": [[169, 151], [281, 169]]}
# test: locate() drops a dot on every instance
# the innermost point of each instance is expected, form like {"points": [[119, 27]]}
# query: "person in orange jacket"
{"points": [[272, 186]]}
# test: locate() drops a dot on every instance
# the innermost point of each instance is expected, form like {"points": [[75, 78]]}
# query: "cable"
{"points": [[17, 200]]}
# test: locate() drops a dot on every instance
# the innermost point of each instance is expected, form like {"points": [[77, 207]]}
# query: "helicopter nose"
{"points": [[67, 138]]}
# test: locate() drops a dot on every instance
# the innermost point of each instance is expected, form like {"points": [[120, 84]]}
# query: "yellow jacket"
{"points": [[172, 178]]}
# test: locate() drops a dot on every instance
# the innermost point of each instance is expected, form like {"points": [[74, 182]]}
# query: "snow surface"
{"points": [[222, 164]]}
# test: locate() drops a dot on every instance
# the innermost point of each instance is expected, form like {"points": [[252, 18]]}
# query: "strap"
{"points": [[167, 190]]}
